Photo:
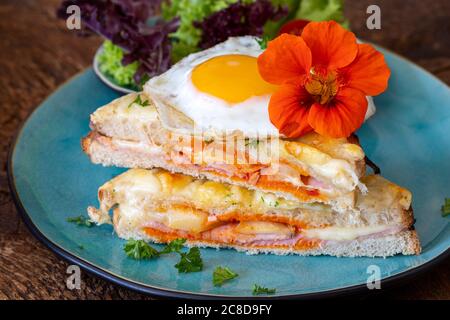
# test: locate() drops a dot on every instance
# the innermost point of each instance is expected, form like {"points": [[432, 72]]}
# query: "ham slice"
{"points": [[227, 234]]}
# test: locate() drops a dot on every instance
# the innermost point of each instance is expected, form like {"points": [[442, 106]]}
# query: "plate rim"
{"points": [[170, 293]]}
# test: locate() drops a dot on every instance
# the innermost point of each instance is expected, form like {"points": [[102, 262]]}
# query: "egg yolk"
{"points": [[233, 78]]}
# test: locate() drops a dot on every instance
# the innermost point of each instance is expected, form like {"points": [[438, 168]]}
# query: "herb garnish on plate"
{"points": [[257, 290], [81, 221], [222, 275], [139, 249]]}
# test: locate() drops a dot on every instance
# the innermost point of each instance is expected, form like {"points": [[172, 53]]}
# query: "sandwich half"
{"points": [[161, 206], [309, 169]]}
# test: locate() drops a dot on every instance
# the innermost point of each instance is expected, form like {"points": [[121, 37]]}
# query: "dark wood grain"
{"points": [[38, 53]]}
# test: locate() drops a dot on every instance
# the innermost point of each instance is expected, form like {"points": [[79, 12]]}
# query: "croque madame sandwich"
{"points": [[250, 161], [207, 117]]}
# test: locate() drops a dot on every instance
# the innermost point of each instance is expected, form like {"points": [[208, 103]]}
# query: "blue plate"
{"points": [[52, 180]]}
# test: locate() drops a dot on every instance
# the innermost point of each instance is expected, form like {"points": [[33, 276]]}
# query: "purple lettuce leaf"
{"points": [[124, 22], [238, 19]]}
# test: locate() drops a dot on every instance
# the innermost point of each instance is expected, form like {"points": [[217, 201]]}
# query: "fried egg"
{"points": [[217, 92]]}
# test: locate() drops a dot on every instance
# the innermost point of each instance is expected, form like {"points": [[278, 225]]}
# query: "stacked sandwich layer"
{"points": [[310, 169], [306, 196]]}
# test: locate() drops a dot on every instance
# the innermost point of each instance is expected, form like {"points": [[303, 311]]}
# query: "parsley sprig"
{"points": [[138, 101], [139, 250], [445, 209], [81, 221], [223, 274], [257, 290], [174, 246], [190, 261]]}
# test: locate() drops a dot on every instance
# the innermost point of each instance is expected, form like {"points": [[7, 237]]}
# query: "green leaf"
{"points": [[190, 261], [174, 246], [185, 40], [263, 42], [139, 249], [257, 290], [139, 102], [81, 221], [222, 274], [110, 63], [322, 10]]}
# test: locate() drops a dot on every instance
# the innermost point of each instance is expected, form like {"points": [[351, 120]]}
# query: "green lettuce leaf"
{"points": [[314, 10], [187, 37], [110, 63], [321, 10]]}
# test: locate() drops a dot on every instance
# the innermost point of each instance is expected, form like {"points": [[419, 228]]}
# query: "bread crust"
{"points": [[405, 242]]}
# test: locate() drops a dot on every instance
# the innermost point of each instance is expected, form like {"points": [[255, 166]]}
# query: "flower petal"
{"points": [[340, 118], [287, 59], [288, 110], [368, 72], [331, 45]]}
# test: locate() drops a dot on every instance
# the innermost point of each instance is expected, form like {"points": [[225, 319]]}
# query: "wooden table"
{"points": [[38, 54]]}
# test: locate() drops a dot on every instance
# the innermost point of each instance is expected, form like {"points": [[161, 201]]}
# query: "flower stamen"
{"points": [[322, 88]]}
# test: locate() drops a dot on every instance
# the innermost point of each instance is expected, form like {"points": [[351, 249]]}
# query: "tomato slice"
{"points": [[293, 27]]}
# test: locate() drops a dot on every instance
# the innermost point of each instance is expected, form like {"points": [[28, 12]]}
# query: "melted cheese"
{"points": [[188, 219], [176, 218], [263, 227], [339, 148], [136, 184], [339, 172], [342, 233]]}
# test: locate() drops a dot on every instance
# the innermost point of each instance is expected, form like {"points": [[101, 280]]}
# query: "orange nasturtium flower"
{"points": [[324, 76]]}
